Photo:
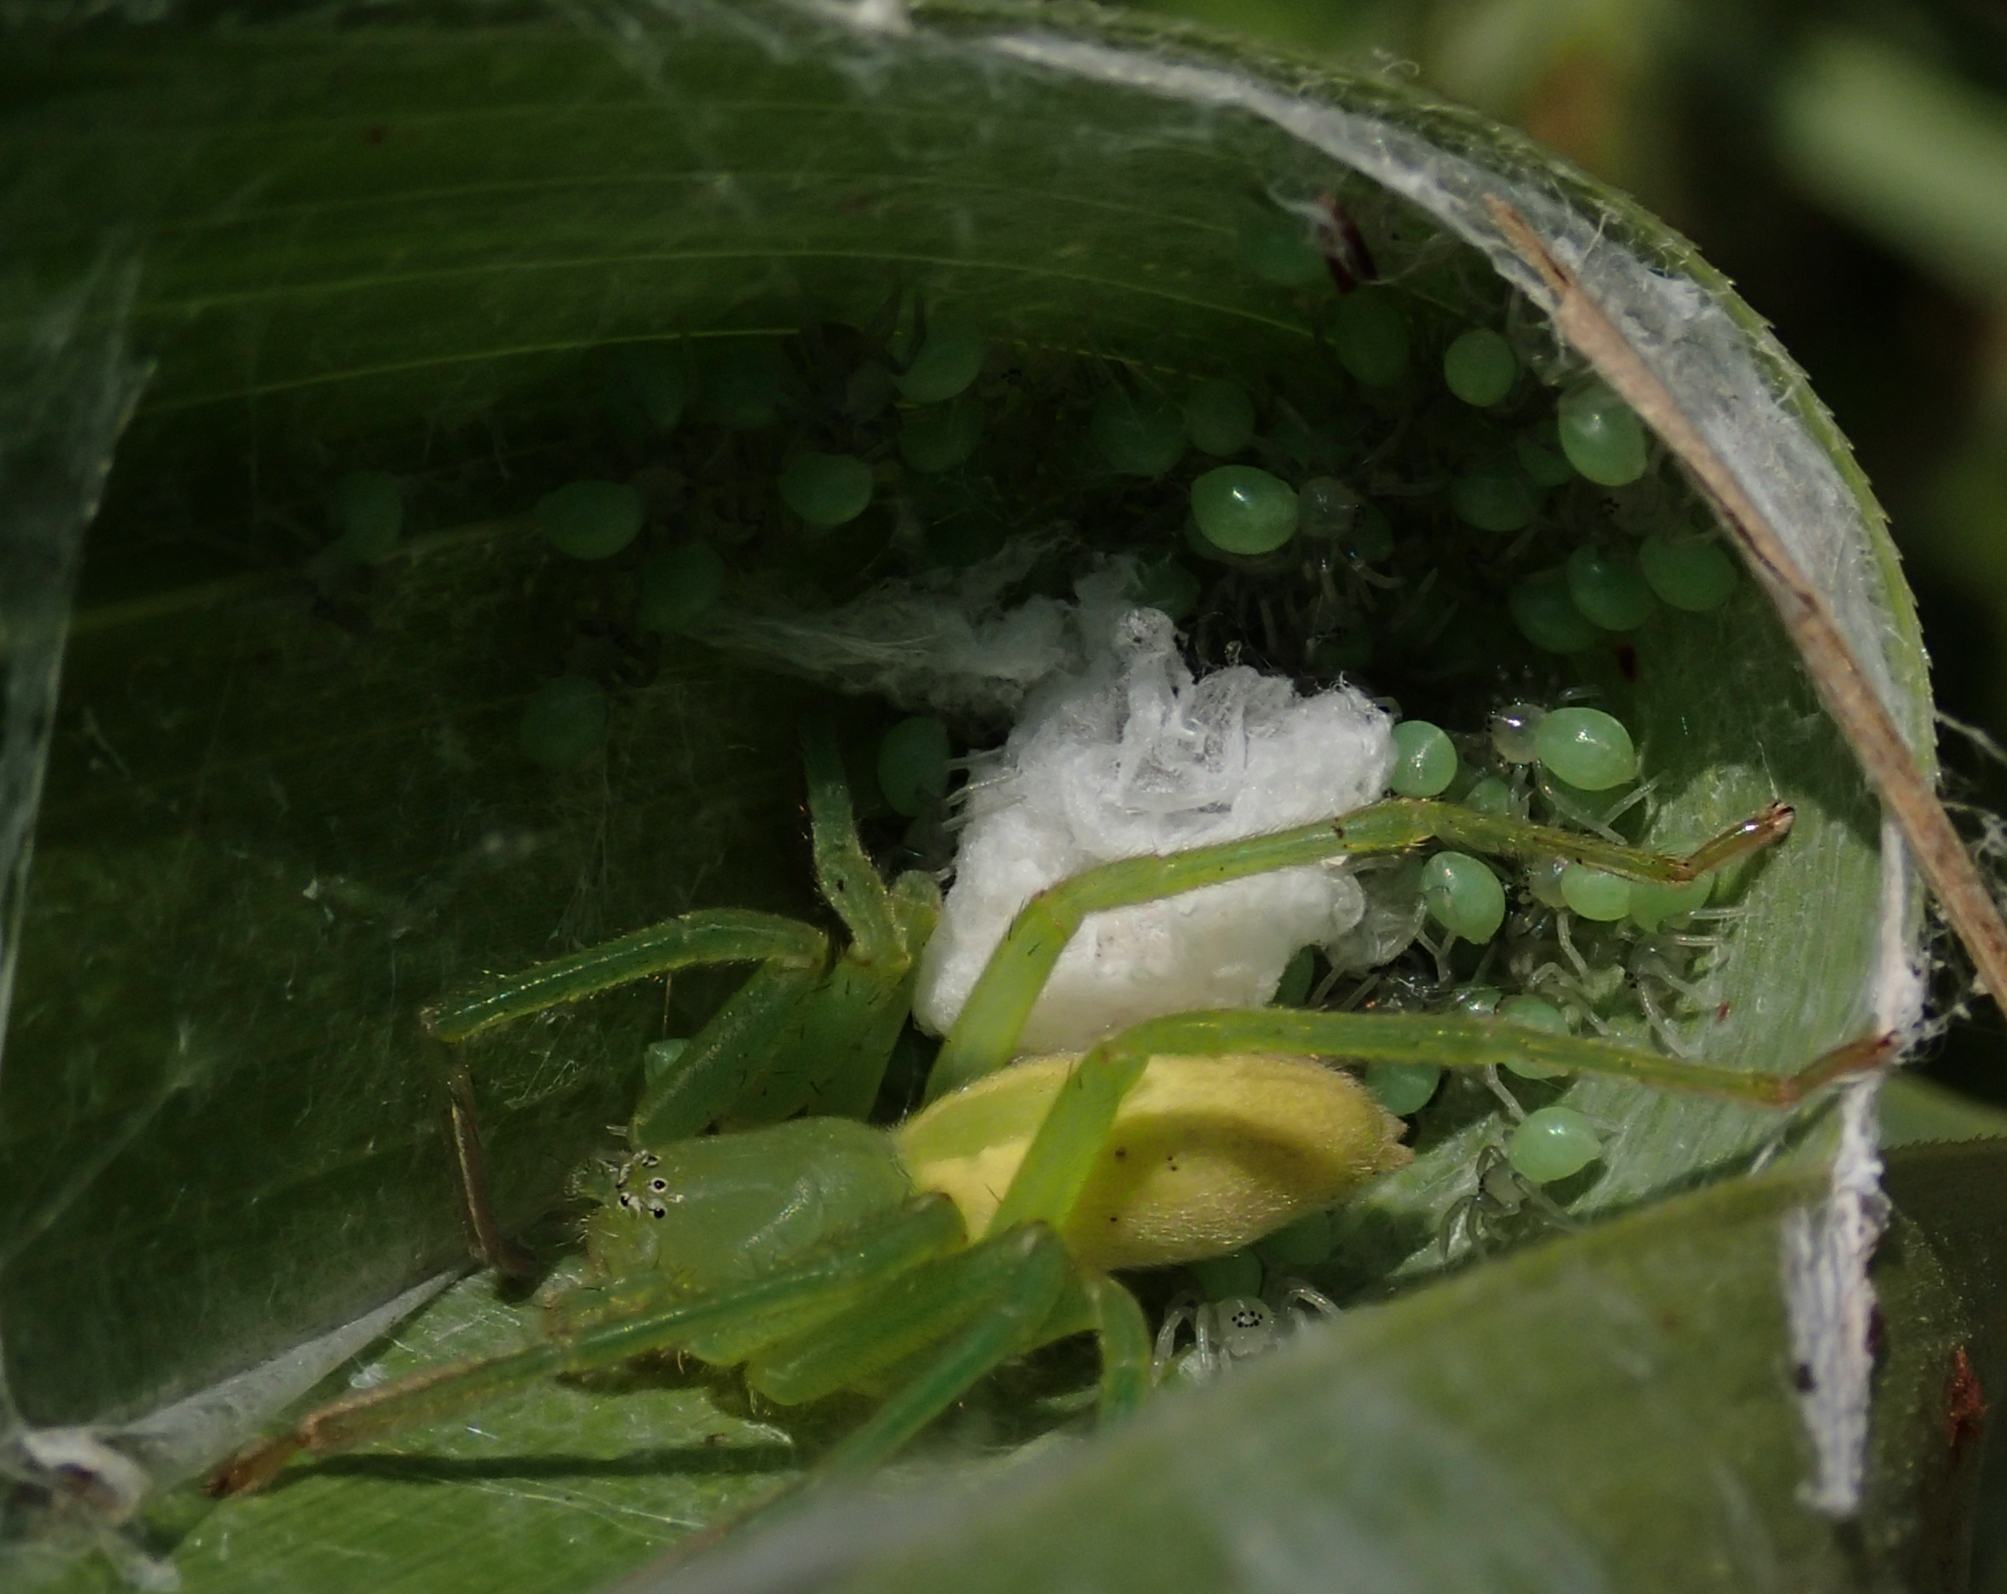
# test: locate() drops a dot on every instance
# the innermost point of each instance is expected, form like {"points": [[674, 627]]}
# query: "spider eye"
{"points": [[658, 1210], [658, 1185]]}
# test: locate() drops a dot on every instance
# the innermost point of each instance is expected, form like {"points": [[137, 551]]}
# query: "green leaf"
{"points": [[283, 805]]}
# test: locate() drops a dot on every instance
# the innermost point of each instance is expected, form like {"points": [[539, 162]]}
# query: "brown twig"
{"points": [[1887, 760], [490, 1241]]}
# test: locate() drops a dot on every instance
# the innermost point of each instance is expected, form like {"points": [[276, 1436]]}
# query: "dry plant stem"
{"points": [[1877, 742]]}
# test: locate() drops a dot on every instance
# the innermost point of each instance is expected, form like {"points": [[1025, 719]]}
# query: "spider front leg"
{"points": [[984, 1036], [752, 1028], [735, 1041], [802, 1029], [732, 1047]]}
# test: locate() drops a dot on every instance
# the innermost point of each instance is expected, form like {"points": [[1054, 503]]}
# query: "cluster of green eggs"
{"points": [[1586, 751], [1589, 753], [1605, 587], [1247, 510], [1414, 449], [1518, 767]]}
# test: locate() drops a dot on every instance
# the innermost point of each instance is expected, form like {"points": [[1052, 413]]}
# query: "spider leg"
{"points": [[1007, 1319], [1124, 1338], [1297, 1293], [1182, 1314], [933, 1332], [732, 1047], [796, 1031], [844, 873], [877, 1341], [1453, 1040], [723, 1326], [1456, 1226], [833, 1058], [708, 936], [733, 1051], [984, 1036], [489, 1241], [1069, 1139]]}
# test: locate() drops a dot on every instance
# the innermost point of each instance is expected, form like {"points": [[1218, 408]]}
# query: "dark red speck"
{"points": [[1346, 256], [1964, 1405]]}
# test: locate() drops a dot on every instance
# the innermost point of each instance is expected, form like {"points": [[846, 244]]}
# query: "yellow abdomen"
{"points": [[1207, 1154]]}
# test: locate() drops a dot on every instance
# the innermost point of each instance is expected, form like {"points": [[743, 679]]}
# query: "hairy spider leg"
{"points": [[984, 1037], [707, 936], [726, 1326]]}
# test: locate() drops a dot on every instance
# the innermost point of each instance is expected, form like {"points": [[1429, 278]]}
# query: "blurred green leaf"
{"points": [[1904, 148]]}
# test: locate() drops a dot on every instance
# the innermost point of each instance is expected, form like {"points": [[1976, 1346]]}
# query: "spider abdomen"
{"points": [[1207, 1154]]}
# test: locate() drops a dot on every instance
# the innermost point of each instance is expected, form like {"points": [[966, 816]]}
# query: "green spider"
{"points": [[824, 1254]]}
